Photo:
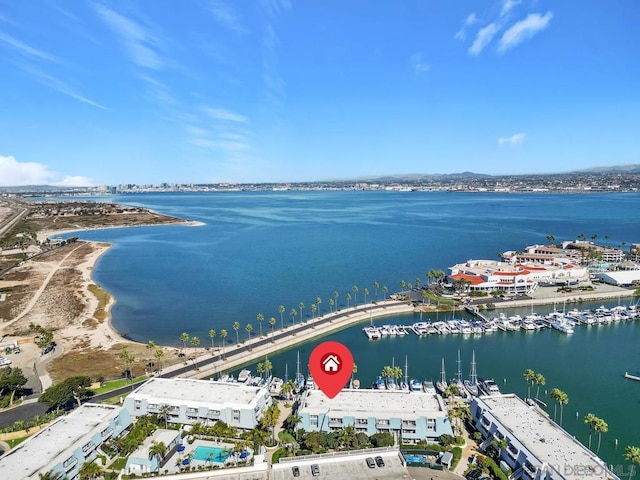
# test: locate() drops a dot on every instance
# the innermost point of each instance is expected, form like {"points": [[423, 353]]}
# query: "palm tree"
{"points": [[555, 395], [355, 295], [249, 329], [236, 327], [313, 308], [601, 427], [384, 293], [89, 470], [376, 285], [632, 454], [260, 318], [260, 368], [158, 354], [158, 450], [403, 284], [301, 306], [347, 297], [195, 341], [590, 419], [281, 309], [417, 282], [272, 322], [212, 335], [163, 413], [365, 291], [293, 314], [267, 367], [223, 336], [127, 361], [550, 239], [539, 380], [150, 346], [318, 302], [48, 475], [184, 338], [335, 297], [330, 302], [529, 375]]}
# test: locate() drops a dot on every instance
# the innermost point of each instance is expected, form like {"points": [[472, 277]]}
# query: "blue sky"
{"points": [[147, 91]]}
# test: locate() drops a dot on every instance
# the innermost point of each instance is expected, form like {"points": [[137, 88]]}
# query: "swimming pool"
{"points": [[211, 454], [415, 459]]}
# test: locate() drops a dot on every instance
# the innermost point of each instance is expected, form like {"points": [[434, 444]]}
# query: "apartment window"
{"points": [[361, 421], [236, 415], [214, 414], [313, 420]]}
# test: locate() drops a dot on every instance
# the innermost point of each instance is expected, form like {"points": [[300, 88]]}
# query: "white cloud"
{"points": [[462, 33], [483, 38], [524, 30], [507, 5], [141, 44], [13, 173], [513, 140], [225, 16], [419, 64], [223, 114], [26, 50]]}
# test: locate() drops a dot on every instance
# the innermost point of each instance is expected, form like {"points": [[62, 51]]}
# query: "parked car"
{"points": [[296, 471], [16, 350], [371, 463], [315, 470], [474, 474], [4, 361], [379, 461]]}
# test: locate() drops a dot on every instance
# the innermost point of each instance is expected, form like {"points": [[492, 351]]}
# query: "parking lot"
{"points": [[335, 467]]}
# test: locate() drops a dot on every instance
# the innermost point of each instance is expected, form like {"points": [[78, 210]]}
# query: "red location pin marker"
{"points": [[331, 365]]}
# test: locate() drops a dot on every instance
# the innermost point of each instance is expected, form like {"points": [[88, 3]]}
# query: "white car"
{"points": [[4, 361]]}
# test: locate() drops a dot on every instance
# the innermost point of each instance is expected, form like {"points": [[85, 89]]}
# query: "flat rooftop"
{"points": [[184, 391], [365, 403], [545, 440], [56, 443]]}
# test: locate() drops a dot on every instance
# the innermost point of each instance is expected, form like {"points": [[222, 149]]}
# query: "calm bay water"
{"points": [[260, 250]]}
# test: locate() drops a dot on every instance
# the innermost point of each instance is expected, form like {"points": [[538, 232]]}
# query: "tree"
{"points": [[355, 295], [376, 286], [590, 419], [417, 282], [293, 314], [11, 380], [551, 239], [301, 306], [365, 291], [157, 450], [318, 302], [50, 475], [272, 322], [313, 309], [601, 427], [249, 329], [212, 335], [223, 336], [184, 338], [281, 310], [89, 470], [330, 302], [384, 439], [127, 360], [195, 342], [236, 327], [163, 413], [539, 380], [632, 454], [385, 289], [529, 376], [158, 355], [270, 419], [59, 394], [347, 297], [151, 345], [335, 298], [260, 318]]}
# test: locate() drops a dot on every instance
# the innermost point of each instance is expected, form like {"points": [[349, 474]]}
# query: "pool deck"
{"points": [[175, 461]]}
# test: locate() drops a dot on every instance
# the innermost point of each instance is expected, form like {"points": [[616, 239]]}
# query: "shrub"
{"points": [[457, 455], [446, 440]]}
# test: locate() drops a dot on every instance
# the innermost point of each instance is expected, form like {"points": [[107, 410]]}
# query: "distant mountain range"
{"points": [[633, 168]]}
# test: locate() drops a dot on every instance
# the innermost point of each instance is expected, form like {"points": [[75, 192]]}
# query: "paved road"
{"points": [[232, 352]]}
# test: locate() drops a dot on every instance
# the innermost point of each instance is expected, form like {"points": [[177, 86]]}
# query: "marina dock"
{"points": [[632, 377]]}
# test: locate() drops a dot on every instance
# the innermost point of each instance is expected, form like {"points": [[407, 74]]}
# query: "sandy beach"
{"points": [[57, 291]]}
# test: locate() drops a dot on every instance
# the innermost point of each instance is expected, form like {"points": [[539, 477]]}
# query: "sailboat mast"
{"points": [[286, 372], [406, 371], [443, 375], [474, 377], [459, 368]]}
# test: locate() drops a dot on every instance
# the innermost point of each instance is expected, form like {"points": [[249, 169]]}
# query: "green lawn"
{"points": [[115, 384], [16, 441], [442, 300]]}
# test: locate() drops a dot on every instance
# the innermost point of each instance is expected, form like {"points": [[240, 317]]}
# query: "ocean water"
{"points": [[259, 250]]}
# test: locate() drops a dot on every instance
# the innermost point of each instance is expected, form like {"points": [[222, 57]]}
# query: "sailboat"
{"points": [[472, 384], [441, 385], [458, 382]]}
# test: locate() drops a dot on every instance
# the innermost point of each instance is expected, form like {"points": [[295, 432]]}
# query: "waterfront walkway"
{"points": [[236, 355]]}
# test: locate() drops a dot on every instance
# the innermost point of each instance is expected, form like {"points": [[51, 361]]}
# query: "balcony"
{"points": [[70, 463], [335, 424], [512, 451], [529, 470]]}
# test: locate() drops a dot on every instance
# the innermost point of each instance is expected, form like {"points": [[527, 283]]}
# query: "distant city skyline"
{"points": [[110, 92]]}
